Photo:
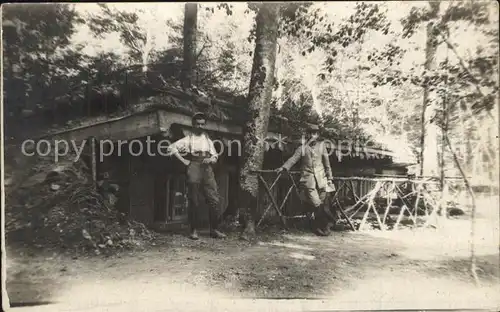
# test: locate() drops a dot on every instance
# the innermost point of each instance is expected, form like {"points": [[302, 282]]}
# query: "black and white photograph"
{"points": [[250, 156]]}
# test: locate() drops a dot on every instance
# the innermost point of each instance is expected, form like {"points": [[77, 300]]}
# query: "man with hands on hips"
{"points": [[197, 152]]}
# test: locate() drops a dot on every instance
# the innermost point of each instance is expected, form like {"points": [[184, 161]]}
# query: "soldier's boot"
{"points": [[316, 228], [320, 232], [217, 234], [327, 230], [193, 235], [321, 225]]}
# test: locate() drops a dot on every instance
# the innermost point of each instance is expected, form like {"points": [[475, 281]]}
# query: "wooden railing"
{"points": [[377, 195], [279, 207]]}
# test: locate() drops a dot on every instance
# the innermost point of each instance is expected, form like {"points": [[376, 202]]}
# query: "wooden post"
{"points": [[93, 157], [389, 200]]}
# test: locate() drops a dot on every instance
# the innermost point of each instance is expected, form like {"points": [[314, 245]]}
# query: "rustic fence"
{"points": [[363, 197]]}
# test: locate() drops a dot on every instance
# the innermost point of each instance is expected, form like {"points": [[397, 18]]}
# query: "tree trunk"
{"points": [[444, 134], [190, 28], [146, 51], [473, 260], [316, 103], [493, 138], [429, 130], [259, 105]]}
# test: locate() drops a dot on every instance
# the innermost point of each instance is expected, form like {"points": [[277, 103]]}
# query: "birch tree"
{"points": [[259, 105]]}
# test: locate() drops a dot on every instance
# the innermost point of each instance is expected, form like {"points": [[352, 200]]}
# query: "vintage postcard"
{"points": [[250, 156]]}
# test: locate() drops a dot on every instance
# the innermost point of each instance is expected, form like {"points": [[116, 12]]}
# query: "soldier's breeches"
{"points": [[202, 184]]}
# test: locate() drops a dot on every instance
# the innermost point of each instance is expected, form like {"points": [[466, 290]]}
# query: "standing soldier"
{"points": [[197, 152], [316, 177]]}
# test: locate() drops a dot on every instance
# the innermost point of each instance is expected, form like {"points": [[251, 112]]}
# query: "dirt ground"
{"points": [[349, 270]]}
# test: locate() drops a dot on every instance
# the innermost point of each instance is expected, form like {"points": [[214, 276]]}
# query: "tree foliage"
{"points": [[39, 61], [465, 77], [142, 31], [29, 68], [356, 67]]}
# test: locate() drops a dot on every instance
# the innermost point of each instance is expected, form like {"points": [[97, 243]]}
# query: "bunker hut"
{"points": [[152, 187]]}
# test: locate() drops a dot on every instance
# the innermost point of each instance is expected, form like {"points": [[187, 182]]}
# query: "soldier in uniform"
{"points": [[316, 177], [197, 152]]}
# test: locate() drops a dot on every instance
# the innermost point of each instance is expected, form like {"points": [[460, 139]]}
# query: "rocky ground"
{"points": [[56, 206]]}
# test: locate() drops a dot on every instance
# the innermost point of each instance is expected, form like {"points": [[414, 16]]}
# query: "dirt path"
{"points": [[372, 270]]}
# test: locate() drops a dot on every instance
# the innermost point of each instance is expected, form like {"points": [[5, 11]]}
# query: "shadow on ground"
{"points": [[301, 265], [488, 268], [277, 266], [292, 265], [31, 282]]}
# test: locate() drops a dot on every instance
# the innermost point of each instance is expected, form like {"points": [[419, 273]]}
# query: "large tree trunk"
{"points": [[190, 28], [429, 130], [468, 187], [259, 105]]}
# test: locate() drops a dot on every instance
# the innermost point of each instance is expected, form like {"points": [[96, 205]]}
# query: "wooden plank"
{"points": [[167, 119], [141, 192], [125, 128], [222, 177]]}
